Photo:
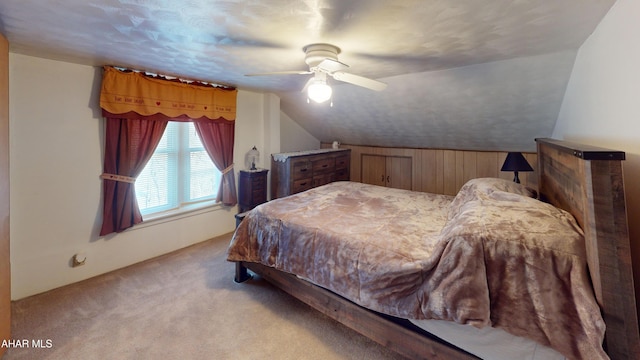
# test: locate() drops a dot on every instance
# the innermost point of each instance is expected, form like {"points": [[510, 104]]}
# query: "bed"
{"points": [[384, 262]]}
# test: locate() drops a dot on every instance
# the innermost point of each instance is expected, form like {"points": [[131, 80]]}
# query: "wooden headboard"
{"points": [[587, 182]]}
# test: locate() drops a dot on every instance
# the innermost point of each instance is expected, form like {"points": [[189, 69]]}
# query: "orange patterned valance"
{"points": [[126, 92]]}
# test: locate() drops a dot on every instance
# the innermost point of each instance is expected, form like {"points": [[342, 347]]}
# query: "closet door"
{"points": [[5, 266], [389, 171], [374, 169], [399, 172]]}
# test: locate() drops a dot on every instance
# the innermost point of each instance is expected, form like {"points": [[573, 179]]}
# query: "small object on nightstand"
{"points": [[252, 189]]}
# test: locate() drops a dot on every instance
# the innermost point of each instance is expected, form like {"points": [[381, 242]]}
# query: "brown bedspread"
{"points": [[488, 258]]}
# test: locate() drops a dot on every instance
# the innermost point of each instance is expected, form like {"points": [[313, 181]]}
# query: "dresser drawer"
{"points": [[259, 183], [302, 185], [342, 175], [323, 165], [301, 170], [342, 162], [257, 195], [319, 180]]}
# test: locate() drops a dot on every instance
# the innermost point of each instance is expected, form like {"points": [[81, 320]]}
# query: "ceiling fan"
{"points": [[323, 61]]}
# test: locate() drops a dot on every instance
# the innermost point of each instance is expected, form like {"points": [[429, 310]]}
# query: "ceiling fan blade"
{"points": [[290, 72], [359, 80], [332, 65]]}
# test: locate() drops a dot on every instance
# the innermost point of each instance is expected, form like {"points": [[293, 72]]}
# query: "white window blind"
{"points": [[179, 173]]}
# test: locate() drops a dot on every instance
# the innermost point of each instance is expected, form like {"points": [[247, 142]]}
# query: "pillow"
{"points": [[503, 216], [533, 260], [482, 187]]}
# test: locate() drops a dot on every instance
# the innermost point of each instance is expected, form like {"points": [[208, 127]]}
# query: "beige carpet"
{"points": [[184, 305]]}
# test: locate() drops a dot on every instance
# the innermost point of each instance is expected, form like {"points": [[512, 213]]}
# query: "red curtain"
{"points": [[137, 108], [217, 138], [130, 143]]}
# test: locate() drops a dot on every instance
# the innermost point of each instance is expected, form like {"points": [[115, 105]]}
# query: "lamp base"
{"points": [[516, 179]]}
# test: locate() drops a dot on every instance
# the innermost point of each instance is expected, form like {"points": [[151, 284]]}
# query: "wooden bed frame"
{"points": [[587, 182]]}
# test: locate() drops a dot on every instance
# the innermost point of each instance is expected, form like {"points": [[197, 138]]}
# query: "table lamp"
{"points": [[253, 156], [516, 162]]}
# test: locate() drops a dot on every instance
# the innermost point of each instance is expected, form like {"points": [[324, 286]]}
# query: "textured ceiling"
{"points": [[462, 74]]}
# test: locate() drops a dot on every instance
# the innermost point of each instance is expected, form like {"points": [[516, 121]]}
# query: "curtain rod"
{"points": [[174, 78]]}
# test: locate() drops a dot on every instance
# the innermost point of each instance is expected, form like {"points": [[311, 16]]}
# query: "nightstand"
{"points": [[252, 189]]}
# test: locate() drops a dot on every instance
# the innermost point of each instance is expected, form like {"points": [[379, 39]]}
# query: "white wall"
{"points": [[56, 144], [294, 137], [601, 106], [249, 132]]}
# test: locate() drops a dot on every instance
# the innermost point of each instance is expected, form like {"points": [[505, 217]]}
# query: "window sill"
{"points": [[180, 213]]}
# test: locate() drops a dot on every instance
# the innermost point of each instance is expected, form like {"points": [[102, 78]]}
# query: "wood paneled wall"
{"points": [[444, 171]]}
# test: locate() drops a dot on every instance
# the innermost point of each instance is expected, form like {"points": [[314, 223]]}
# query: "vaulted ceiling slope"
{"points": [[462, 74]]}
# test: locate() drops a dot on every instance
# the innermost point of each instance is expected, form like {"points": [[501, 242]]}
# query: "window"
{"points": [[179, 173]]}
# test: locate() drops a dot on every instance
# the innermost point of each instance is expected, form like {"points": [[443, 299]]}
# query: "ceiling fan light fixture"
{"points": [[323, 62], [319, 91]]}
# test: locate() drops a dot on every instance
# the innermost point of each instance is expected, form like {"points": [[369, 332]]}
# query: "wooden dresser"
{"points": [[295, 172], [252, 189]]}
